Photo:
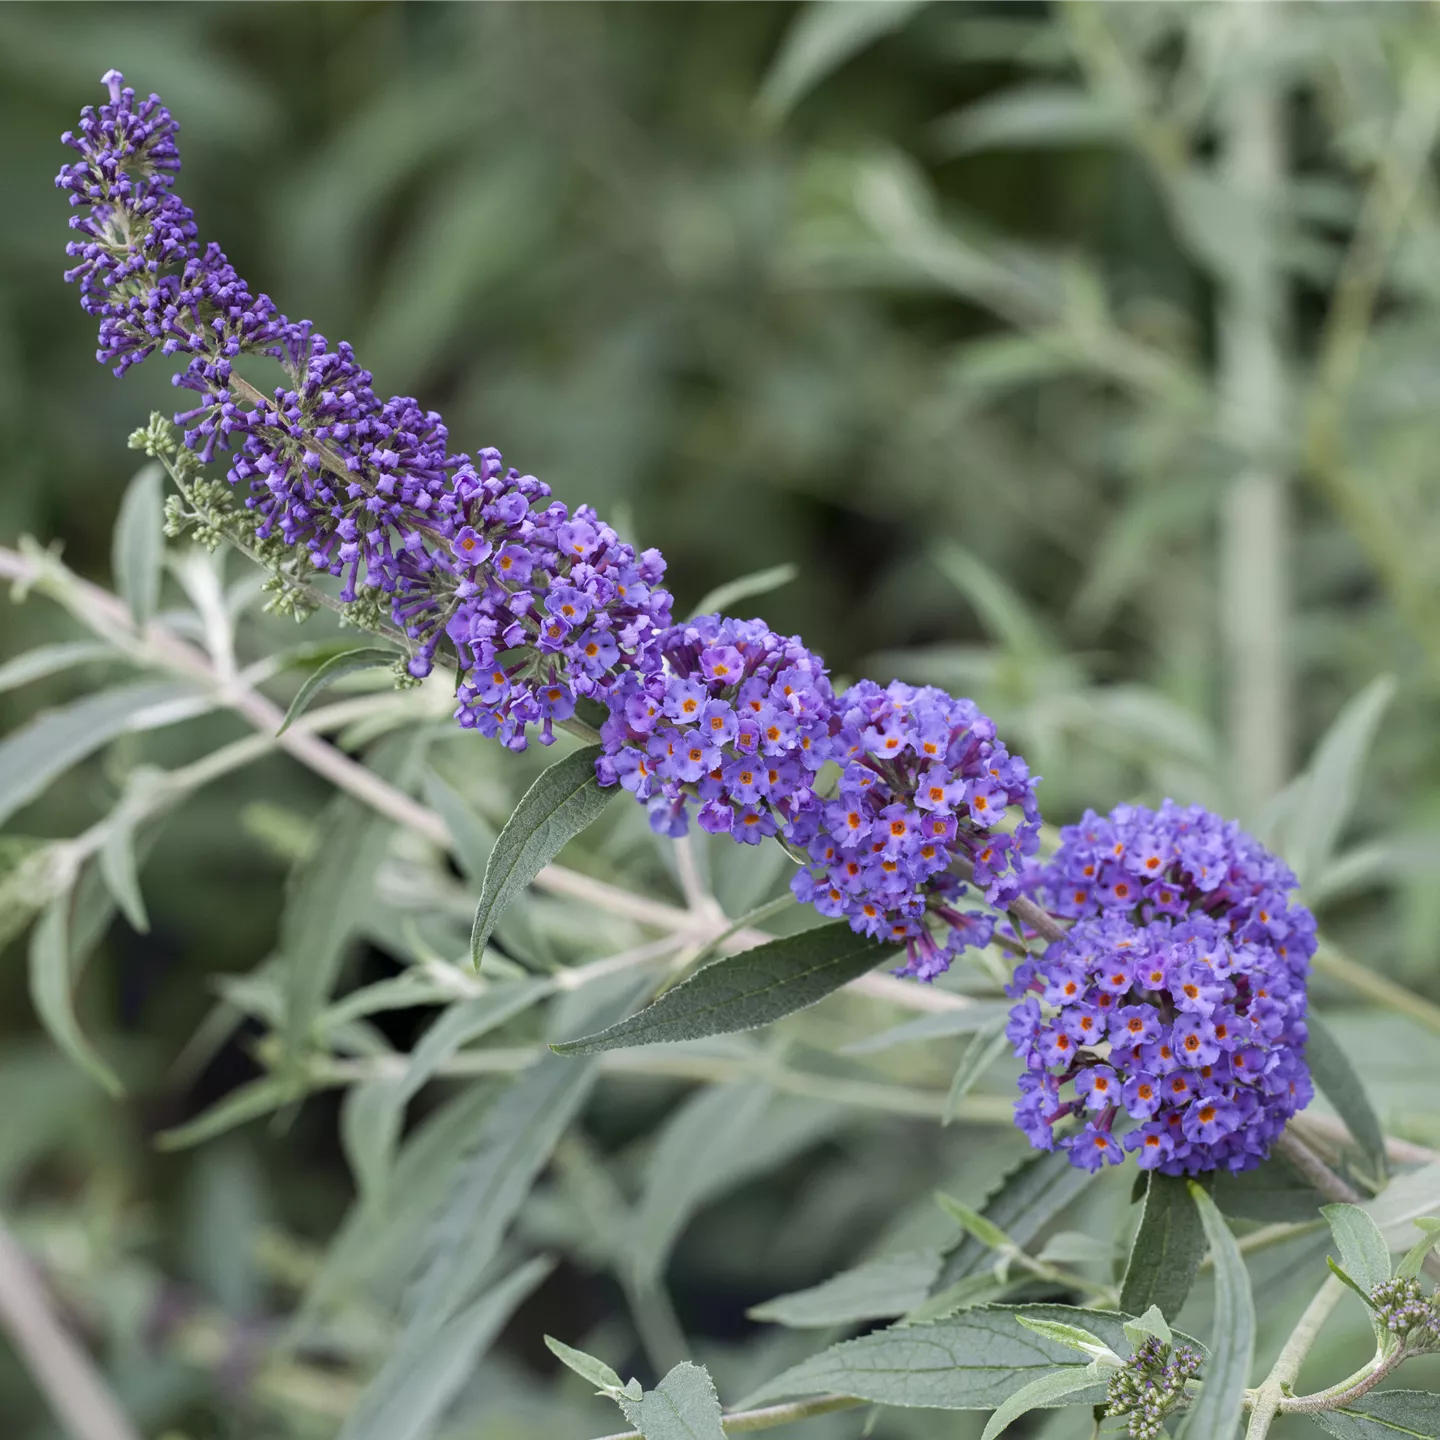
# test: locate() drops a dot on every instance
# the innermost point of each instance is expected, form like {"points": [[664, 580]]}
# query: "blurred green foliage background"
{"points": [[1081, 358]]}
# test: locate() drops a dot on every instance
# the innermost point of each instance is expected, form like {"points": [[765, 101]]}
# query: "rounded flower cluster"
{"points": [[1404, 1309], [736, 721], [366, 488], [923, 803], [1176, 1000], [1150, 1386]]}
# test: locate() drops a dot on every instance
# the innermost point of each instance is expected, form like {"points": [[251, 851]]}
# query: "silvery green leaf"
{"points": [[972, 1361], [1152, 1322], [51, 985], [363, 657], [565, 800], [986, 1231], [51, 660], [1415, 1257], [47, 746], [1024, 1202], [1363, 1252], [1217, 1412], [1384, 1415], [746, 990], [1404, 1200], [408, 1398], [723, 597], [1336, 1077], [823, 37], [878, 1289], [370, 1122], [587, 1367], [1046, 1390], [260, 1097], [683, 1406], [471, 837], [987, 1046], [137, 554], [974, 1016], [1167, 1250], [121, 872], [1075, 1336], [1030, 116]]}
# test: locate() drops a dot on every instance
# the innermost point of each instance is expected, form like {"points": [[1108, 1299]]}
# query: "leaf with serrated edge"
{"points": [[1384, 1415], [565, 800], [1364, 1254], [683, 1406], [744, 991], [1024, 1202], [363, 657], [1168, 1248], [1332, 1071], [1052, 1389], [1216, 1413], [877, 1289], [972, 1361], [137, 552]]}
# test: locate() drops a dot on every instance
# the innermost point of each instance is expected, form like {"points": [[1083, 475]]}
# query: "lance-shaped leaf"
{"points": [[683, 1406], [363, 657], [596, 1371], [1216, 1414], [1342, 1087], [1168, 1248], [972, 1361], [138, 544], [878, 1289], [1057, 1388], [1384, 1415], [747, 587], [746, 990], [1364, 1256], [976, 1015], [553, 811]]}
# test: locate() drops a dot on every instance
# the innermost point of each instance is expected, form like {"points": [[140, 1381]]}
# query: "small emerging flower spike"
{"points": [[1177, 1000]]}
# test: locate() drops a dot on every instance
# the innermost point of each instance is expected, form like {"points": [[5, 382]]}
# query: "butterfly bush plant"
{"points": [[1154, 960]]}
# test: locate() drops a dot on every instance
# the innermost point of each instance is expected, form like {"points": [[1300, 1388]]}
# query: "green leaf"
{"points": [[514, 1144], [762, 582], [878, 1289], [249, 1102], [31, 757], [746, 990], [1384, 1415], [587, 1367], [363, 657], [1274, 1193], [1363, 1251], [1046, 1390], [1152, 1322], [1028, 117], [683, 1406], [823, 37], [51, 660], [972, 1361], [121, 871], [557, 807], [1333, 779], [1168, 1248], [137, 550], [471, 837], [1027, 1200], [986, 1231], [1415, 1257], [51, 982], [370, 1121], [1074, 1337], [978, 1015], [1336, 1077], [1405, 1199], [999, 608], [979, 1055], [409, 1397], [1217, 1411]]}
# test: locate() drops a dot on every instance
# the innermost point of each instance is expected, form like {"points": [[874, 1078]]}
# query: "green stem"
{"points": [[1330, 961], [742, 1422], [1266, 1401]]}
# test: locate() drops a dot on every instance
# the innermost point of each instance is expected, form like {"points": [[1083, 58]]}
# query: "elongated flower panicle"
{"points": [[1177, 999], [542, 606], [366, 488], [924, 788]]}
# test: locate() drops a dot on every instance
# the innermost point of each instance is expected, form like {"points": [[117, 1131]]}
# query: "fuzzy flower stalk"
{"points": [[1176, 1002], [894, 800]]}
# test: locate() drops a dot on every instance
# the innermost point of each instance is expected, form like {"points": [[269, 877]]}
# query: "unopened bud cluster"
{"points": [[1150, 1385], [1410, 1315]]}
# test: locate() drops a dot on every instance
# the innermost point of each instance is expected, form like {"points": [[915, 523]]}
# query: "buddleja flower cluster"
{"points": [[1410, 1315], [1150, 1385], [1177, 999], [542, 607]]}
